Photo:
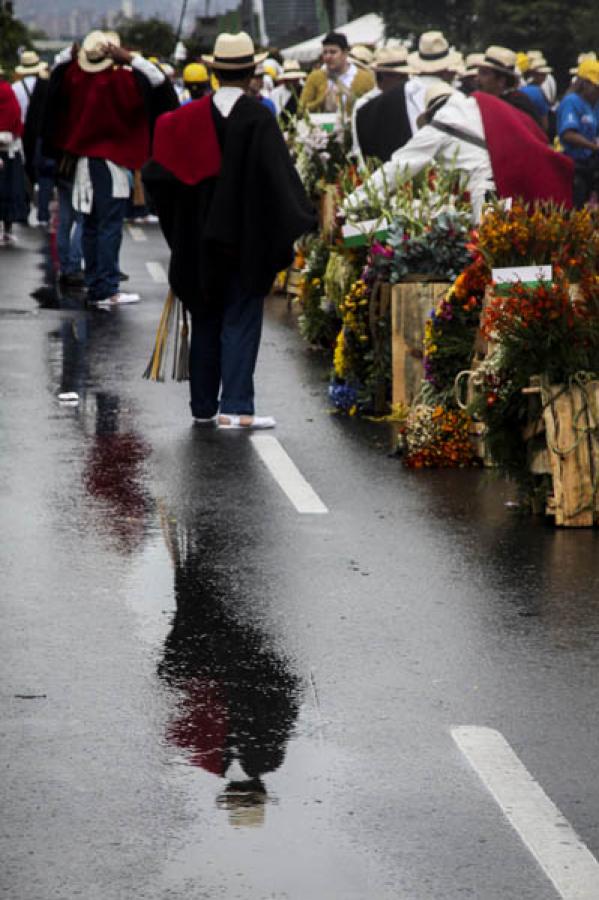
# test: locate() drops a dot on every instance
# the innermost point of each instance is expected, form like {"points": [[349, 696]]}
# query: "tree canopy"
{"points": [[152, 37], [557, 27], [14, 35]]}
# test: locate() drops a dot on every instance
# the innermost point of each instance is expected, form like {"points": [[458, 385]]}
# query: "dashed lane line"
{"points": [[157, 272], [565, 859], [287, 475], [137, 233]]}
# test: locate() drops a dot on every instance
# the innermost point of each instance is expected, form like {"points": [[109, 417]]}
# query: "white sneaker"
{"points": [[232, 422], [198, 421], [150, 220], [119, 298]]}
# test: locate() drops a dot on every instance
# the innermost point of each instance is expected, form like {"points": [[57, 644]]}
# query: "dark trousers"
{"points": [[102, 234], [586, 180], [225, 337]]}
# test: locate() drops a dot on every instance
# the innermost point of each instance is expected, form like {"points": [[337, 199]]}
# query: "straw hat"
{"points": [[581, 58], [29, 63], [435, 93], [472, 62], [539, 64], [92, 57], [361, 55], [392, 59], [291, 71], [501, 60], [433, 54], [234, 51]]}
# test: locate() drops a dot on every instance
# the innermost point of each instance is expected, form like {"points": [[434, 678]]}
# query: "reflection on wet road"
{"points": [[237, 700]]}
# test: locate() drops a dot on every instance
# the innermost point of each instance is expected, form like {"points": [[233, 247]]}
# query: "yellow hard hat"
{"points": [[522, 62], [270, 69], [195, 72], [589, 70]]}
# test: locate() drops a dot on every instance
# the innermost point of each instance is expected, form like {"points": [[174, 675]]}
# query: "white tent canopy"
{"points": [[368, 29]]}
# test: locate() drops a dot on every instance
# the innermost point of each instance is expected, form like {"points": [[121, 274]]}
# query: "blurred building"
{"points": [[289, 21]]}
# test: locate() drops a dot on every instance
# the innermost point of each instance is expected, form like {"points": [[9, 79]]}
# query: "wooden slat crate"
{"points": [[411, 304], [572, 429]]}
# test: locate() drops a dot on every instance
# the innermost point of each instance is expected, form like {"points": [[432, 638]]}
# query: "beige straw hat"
{"points": [[392, 59], [92, 57], [291, 71], [29, 63], [234, 51], [433, 54], [500, 59], [437, 92], [361, 55], [472, 62]]}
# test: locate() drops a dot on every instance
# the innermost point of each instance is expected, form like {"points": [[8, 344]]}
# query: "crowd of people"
{"points": [[219, 176]]}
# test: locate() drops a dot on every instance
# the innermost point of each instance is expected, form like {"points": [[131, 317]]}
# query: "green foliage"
{"points": [[152, 37], [14, 35], [440, 250], [559, 28], [319, 320]]}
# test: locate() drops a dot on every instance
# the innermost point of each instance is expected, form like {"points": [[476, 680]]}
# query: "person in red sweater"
{"points": [[99, 119], [11, 167]]}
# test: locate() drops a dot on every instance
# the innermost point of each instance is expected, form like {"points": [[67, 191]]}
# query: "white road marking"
{"points": [[137, 233], [565, 859], [157, 272], [287, 475]]}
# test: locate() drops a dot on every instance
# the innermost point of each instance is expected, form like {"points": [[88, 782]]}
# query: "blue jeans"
{"points": [[225, 338], [102, 234], [68, 236]]}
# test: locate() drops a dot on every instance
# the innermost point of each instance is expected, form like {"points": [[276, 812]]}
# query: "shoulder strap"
{"points": [[456, 132]]}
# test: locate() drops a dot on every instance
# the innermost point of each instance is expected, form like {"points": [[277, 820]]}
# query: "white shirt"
{"points": [[429, 143], [416, 89], [346, 79], [23, 90], [83, 194], [225, 99]]}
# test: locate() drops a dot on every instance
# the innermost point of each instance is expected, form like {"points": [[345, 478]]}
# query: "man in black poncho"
{"points": [[231, 206], [382, 125]]}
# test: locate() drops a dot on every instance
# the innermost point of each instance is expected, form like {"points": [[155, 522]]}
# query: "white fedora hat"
{"points": [[435, 93], [500, 59], [234, 51], [472, 62], [361, 55], [92, 56], [433, 54], [291, 71], [29, 63], [392, 59]]}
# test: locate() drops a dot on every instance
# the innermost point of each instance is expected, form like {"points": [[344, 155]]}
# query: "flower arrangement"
{"points": [[318, 320], [547, 234], [432, 247], [320, 155], [436, 437], [451, 328], [538, 331], [362, 356]]}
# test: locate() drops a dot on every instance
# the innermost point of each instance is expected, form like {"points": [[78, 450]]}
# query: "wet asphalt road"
{"points": [[206, 694]]}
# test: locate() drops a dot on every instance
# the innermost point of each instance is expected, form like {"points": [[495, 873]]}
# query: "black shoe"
{"points": [[73, 279], [123, 276]]}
